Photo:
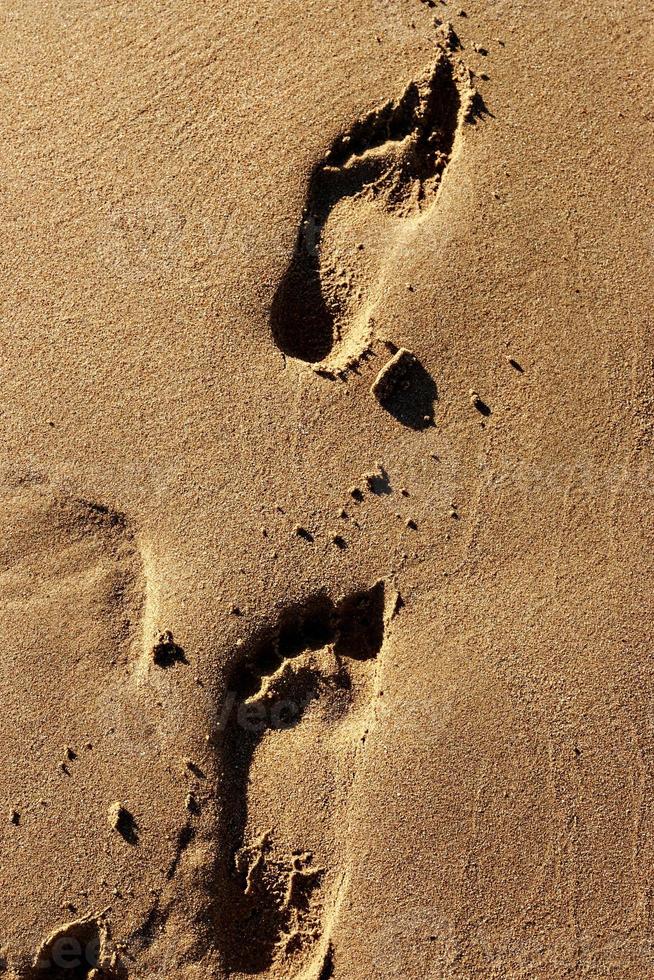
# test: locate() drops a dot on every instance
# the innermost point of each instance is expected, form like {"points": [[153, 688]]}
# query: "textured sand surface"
{"points": [[326, 399]]}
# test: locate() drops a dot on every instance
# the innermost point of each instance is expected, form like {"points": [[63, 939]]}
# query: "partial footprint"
{"points": [[302, 703], [77, 735], [76, 951], [364, 197], [71, 595]]}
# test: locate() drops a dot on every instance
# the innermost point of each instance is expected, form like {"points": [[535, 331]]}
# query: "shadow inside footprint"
{"points": [[396, 157], [265, 894], [303, 325], [71, 953]]}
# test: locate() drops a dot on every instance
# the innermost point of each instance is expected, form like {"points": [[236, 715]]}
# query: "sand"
{"points": [[325, 491]]}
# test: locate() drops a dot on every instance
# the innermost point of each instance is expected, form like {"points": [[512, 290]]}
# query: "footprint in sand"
{"points": [[302, 703], [375, 185], [73, 604], [70, 598], [76, 951]]}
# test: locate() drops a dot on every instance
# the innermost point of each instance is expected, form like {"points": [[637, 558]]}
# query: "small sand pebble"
{"points": [[356, 493], [118, 817], [404, 491], [339, 541], [446, 32], [373, 478], [394, 375], [194, 768], [14, 817], [191, 803], [410, 523], [166, 652], [477, 402]]}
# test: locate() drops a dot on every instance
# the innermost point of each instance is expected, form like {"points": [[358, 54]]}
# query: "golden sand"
{"points": [[325, 491]]}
